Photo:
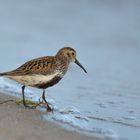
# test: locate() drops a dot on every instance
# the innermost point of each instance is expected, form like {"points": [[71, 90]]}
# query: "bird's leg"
{"points": [[24, 102], [43, 97], [40, 100], [23, 96]]}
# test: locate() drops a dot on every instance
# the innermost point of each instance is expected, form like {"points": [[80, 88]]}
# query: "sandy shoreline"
{"points": [[18, 123]]}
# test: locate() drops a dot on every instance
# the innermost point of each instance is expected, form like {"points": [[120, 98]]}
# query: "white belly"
{"points": [[31, 80]]}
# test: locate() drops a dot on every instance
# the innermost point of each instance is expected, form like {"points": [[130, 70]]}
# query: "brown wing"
{"points": [[42, 65]]}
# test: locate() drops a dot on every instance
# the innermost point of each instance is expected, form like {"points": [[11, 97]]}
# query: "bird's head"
{"points": [[69, 54]]}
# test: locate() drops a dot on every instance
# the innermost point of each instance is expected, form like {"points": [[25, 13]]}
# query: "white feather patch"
{"points": [[31, 80]]}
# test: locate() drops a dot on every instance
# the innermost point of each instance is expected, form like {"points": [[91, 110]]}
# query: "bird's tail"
{"points": [[2, 74]]}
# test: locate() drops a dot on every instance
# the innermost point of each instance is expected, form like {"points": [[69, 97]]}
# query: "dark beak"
{"points": [[78, 63]]}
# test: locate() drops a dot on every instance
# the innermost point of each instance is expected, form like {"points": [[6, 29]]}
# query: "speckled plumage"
{"points": [[45, 71]]}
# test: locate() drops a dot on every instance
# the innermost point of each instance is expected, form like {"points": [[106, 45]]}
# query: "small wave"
{"points": [[112, 120], [74, 119]]}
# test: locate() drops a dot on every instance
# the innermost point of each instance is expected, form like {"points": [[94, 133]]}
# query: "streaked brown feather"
{"points": [[42, 65]]}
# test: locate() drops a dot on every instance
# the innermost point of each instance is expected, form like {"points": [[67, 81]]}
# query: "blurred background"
{"points": [[106, 35], [32, 28]]}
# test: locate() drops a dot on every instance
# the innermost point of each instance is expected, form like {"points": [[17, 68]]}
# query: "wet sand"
{"points": [[18, 123]]}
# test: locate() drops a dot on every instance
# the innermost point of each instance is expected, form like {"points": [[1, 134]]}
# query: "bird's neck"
{"points": [[63, 63]]}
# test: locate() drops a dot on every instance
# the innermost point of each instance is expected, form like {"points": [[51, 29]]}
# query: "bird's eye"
{"points": [[73, 53]]}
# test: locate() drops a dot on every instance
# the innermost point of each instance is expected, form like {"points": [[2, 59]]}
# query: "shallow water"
{"points": [[106, 101]]}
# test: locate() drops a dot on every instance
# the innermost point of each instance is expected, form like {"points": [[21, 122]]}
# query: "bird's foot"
{"points": [[50, 107], [28, 104], [46, 104], [33, 105]]}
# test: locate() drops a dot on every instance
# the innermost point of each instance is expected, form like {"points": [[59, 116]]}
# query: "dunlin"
{"points": [[43, 72]]}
